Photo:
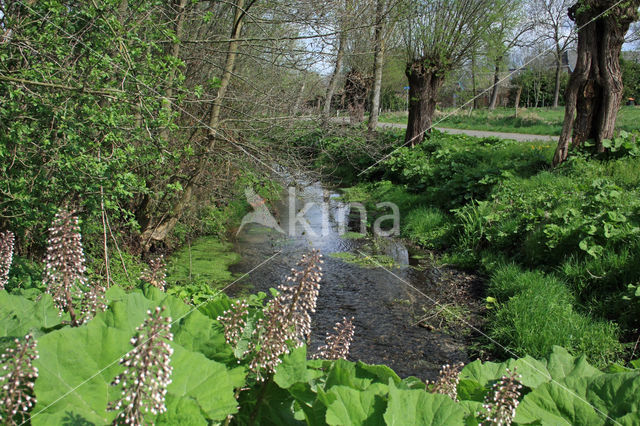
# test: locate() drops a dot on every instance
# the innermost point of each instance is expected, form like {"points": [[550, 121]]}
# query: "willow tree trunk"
{"points": [[594, 92], [378, 62], [356, 91], [333, 82], [494, 89], [424, 84]]}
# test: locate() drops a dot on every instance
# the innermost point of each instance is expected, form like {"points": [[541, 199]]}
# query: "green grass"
{"points": [[536, 312], [535, 121], [427, 226], [368, 261], [206, 260]]}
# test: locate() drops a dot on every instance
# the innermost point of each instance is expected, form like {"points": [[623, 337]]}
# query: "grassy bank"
{"points": [[535, 121], [560, 247]]}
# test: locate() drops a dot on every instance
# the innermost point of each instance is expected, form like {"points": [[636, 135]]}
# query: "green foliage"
{"points": [[200, 265], [630, 79], [624, 144], [451, 170], [76, 144], [538, 86], [71, 357], [76, 366], [427, 226], [344, 153]]}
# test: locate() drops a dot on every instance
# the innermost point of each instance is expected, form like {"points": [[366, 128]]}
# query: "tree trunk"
{"points": [[473, 80], [174, 52], [556, 90], [356, 90], [516, 103], [158, 230], [378, 62], [594, 92], [299, 98], [333, 82], [424, 84], [494, 89]]}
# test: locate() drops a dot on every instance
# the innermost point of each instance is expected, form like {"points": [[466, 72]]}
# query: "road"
{"points": [[521, 137]]}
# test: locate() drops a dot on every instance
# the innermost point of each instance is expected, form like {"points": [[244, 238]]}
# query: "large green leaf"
{"points": [[84, 360], [601, 399], [19, 315], [417, 407], [293, 369], [349, 406], [476, 377], [558, 403], [617, 395]]}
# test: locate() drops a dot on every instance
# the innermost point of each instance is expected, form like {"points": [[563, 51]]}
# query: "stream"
{"points": [[394, 324]]}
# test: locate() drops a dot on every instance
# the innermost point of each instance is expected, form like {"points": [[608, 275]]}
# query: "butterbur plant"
{"points": [[7, 241], [17, 378], [234, 321], [147, 371], [337, 345], [447, 381], [501, 402], [156, 275], [285, 321], [65, 269], [287, 317]]}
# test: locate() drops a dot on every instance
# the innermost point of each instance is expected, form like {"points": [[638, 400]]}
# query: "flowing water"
{"points": [[393, 322]]}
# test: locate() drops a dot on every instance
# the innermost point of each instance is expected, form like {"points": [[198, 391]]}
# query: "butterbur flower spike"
{"points": [[447, 382], [337, 345], [17, 376], [7, 240], [503, 399], [64, 273], [147, 371], [287, 318], [234, 321], [92, 302], [156, 275]]}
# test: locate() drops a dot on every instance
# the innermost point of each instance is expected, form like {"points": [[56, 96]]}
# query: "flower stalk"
{"points": [[147, 371], [7, 241], [65, 270], [501, 402], [17, 377], [337, 345]]}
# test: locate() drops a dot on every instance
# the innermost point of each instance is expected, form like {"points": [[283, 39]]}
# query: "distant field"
{"points": [[535, 121]]}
